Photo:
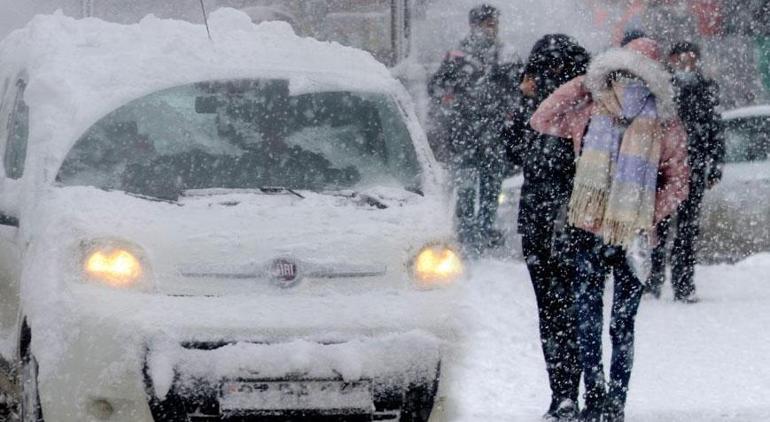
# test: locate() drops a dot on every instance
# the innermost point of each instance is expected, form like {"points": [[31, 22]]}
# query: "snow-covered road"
{"points": [[704, 362]]}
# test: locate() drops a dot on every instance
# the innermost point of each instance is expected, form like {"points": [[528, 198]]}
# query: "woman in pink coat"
{"points": [[631, 173]]}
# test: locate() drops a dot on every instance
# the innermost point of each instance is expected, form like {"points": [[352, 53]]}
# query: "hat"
{"points": [[481, 13], [646, 47], [682, 47], [557, 48], [631, 35]]}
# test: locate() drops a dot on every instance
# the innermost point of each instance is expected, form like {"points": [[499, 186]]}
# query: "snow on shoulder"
{"points": [[80, 69]]}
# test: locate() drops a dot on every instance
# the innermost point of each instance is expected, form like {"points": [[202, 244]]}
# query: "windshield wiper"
{"points": [[267, 190], [361, 198], [148, 197], [415, 190], [273, 190]]}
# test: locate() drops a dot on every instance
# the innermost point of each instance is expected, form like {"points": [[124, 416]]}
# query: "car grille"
{"points": [[200, 402]]}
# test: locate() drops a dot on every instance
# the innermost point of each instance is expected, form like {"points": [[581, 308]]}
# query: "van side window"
{"points": [[18, 132]]}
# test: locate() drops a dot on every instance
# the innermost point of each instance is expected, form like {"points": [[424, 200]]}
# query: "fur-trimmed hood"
{"points": [[651, 71]]}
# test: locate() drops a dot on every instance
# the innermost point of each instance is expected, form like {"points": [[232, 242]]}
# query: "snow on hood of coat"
{"points": [[653, 73], [79, 70]]}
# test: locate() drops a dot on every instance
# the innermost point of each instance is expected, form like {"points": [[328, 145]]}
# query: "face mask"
{"points": [[482, 35], [686, 77]]}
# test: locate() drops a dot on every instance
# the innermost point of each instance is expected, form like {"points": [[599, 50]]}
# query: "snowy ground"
{"points": [[704, 362]]}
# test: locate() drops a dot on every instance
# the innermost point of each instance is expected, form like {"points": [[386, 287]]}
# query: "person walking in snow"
{"points": [[697, 99], [468, 120], [631, 173], [549, 166]]}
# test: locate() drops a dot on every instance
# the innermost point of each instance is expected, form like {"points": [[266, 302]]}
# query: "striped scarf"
{"points": [[616, 176]]}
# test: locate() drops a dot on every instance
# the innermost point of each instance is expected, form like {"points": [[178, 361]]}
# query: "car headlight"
{"points": [[437, 266], [502, 198], [114, 264]]}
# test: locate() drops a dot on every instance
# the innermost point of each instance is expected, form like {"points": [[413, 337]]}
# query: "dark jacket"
{"points": [[697, 99], [467, 114], [548, 162]]}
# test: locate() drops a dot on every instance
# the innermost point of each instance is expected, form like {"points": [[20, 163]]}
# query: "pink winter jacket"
{"points": [[566, 114]]}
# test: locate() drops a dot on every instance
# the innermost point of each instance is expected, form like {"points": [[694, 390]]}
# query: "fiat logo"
{"points": [[284, 272]]}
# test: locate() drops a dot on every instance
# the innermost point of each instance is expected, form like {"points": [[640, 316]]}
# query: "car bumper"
{"points": [[134, 358]]}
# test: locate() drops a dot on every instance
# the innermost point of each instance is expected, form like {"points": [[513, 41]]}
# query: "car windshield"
{"points": [[245, 134], [747, 139]]}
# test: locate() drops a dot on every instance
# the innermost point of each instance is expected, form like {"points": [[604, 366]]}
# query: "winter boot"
{"points": [[613, 411], [615, 416], [550, 417], [567, 411], [564, 410], [652, 290], [591, 414], [689, 299]]}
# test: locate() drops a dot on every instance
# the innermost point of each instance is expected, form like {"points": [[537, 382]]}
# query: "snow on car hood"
{"points": [[218, 244]]}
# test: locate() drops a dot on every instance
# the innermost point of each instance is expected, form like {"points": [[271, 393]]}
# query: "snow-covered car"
{"points": [[736, 212], [735, 221], [242, 228]]}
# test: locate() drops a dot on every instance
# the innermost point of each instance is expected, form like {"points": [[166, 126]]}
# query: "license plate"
{"points": [[271, 397]]}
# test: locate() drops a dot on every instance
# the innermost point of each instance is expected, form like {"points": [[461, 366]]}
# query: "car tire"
{"points": [[418, 403], [29, 402]]}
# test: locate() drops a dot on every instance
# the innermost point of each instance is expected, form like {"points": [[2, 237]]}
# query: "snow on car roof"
{"points": [[81, 69], [743, 112]]}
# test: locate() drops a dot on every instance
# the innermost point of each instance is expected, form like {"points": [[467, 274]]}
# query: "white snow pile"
{"points": [[707, 362], [401, 358], [79, 70]]}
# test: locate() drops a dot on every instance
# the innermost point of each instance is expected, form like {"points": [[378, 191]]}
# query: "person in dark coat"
{"points": [[548, 164], [697, 99], [467, 119]]}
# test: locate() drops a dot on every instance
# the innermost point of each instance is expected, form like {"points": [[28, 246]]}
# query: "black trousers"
{"points": [[482, 185], [683, 258], [550, 263], [594, 261]]}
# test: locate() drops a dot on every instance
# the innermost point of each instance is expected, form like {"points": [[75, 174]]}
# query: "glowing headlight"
{"points": [[117, 267], [437, 265], [502, 198]]}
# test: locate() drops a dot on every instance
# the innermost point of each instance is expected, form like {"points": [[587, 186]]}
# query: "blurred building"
{"points": [[733, 35], [382, 27]]}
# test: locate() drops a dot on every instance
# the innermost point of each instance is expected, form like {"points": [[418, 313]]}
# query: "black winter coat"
{"points": [[467, 109], [548, 162], [697, 99]]}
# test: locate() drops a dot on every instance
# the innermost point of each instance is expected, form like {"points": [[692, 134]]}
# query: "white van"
{"points": [[246, 228]]}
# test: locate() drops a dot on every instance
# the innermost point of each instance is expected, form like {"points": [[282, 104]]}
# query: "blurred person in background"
{"points": [[548, 163], [631, 173], [468, 119], [696, 98]]}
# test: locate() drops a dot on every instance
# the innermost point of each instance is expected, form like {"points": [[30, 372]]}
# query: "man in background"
{"points": [[468, 120], [697, 98]]}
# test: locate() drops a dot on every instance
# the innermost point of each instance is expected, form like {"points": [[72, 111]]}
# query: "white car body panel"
{"points": [[735, 221]]}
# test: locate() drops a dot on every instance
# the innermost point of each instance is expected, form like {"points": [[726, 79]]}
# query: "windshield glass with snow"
{"points": [[245, 134]]}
